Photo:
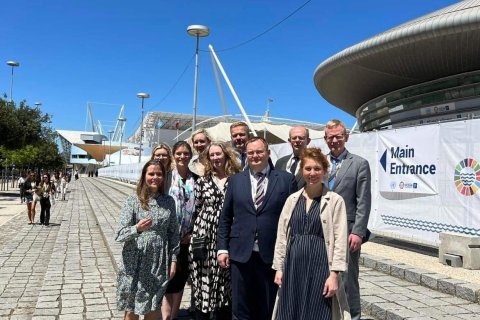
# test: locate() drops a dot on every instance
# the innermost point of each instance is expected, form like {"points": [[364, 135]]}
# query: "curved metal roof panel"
{"points": [[439, 44]]}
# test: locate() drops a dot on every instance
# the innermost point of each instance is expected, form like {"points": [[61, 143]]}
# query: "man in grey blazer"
{"points": [[299, 139], [349, 176]]}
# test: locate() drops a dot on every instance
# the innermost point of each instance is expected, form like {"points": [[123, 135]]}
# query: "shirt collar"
{"points": [[341, 156]]}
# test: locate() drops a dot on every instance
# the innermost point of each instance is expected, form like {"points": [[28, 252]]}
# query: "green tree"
{"points": [[27, 138]]}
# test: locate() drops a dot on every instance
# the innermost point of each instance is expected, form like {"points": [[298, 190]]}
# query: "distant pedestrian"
{"points": [[29, 187], [46, 189], [21, 181], [63, 186], [76, 174], [148, 227]]}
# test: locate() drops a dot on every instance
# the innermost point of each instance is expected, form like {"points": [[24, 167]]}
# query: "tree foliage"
{"points": [[26, 138]]}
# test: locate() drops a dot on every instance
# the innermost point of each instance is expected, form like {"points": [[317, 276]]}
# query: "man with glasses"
{"points": [[248, 229], [349, 176], [298, 139]]}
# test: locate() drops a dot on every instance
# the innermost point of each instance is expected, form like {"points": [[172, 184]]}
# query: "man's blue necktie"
{"points": [[333, 173]]}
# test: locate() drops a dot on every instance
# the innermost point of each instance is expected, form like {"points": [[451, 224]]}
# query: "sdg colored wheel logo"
{"points": [[467, 176]]}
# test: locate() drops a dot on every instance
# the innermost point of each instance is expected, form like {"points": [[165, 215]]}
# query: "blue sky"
{"points": [[74, 52]]}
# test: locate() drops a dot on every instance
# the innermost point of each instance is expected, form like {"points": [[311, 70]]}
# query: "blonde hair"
{"points": [[232, 165], [336, 123], [168, 167], [200, 131]]}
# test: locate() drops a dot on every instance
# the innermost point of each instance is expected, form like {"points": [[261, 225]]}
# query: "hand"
{"points": [[354, 242], [186, 239], [173, 270], [144, 224], [224, 260], [278, 278], [331, 285]]}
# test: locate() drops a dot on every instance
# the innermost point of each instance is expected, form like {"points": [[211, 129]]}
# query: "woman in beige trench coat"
{"points": [[311, 205]]}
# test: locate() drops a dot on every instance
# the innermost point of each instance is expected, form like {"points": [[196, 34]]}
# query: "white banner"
{"points": [[408, 160], [425, 180]]}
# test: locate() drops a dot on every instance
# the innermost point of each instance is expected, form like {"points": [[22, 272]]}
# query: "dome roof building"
{"points": [[426, 70]]}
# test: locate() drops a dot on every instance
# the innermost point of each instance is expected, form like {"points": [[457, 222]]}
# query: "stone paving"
{"points": [[67, 270]]}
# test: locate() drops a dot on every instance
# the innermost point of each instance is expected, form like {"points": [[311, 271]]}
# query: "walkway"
{"points": [[68, 270]]}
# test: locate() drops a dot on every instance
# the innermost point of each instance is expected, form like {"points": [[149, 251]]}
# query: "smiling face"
{"points": [[335, 137], [298, 139], [239, 136], [257, 155], [200, 142], [162, 155], [217, 158], [313, 172], [182, 156], [154, 178]]}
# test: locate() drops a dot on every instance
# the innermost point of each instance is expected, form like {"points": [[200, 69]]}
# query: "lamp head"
{"points": [[13, 63], [197, 30], [143, 95]]}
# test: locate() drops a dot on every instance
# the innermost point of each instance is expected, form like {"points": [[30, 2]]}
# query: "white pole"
{"points": [[219, 86], [242, 110]]}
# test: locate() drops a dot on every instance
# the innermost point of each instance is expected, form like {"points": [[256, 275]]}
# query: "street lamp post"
{"points": [[121, 138], [110, 148], [38, 104], [143, 96], [12, 64], [197, 31]]}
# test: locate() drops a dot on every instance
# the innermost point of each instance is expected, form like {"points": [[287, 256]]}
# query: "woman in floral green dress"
{"points": [[148, 227]]}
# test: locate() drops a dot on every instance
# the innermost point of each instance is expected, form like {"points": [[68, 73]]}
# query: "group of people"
{"points": [[258, 241], [43, 190]]}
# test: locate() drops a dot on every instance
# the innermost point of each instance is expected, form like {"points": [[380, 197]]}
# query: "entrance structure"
{"points": [[426, 70]]}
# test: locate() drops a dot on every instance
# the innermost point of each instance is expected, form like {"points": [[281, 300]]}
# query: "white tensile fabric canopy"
{"points": [[274, 133]]}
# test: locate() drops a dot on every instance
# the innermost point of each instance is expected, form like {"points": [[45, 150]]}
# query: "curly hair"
{"points": [[165, 146], [232, 165], [143, 191], [316, 155]]}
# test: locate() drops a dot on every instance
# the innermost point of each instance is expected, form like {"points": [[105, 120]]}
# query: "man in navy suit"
{"points": [[239, 135], [248, 230]]}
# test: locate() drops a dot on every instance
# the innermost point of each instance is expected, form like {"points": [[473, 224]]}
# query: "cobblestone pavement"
{"points": [[67, 270]]}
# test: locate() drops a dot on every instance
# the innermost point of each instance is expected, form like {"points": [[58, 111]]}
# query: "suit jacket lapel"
{"points": [[272, 180], [248, 182], [346, 163]]}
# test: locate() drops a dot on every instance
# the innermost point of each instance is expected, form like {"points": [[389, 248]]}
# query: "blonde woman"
{"points": [[200, 140], [211, 283], [163, 153]]}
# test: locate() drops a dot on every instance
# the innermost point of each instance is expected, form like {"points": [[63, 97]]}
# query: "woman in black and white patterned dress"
{"points": [[211, 283]]}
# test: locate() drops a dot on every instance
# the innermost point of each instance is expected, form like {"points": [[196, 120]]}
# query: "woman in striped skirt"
{"points": [[311, 248]]}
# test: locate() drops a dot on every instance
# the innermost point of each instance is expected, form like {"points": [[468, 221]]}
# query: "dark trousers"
{"points": [[45, 211], [352, 287], [224, 313], [253, 289], [22, 192]]}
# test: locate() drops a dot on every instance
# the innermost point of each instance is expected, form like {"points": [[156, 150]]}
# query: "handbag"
{"points": [[199, 248]]}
